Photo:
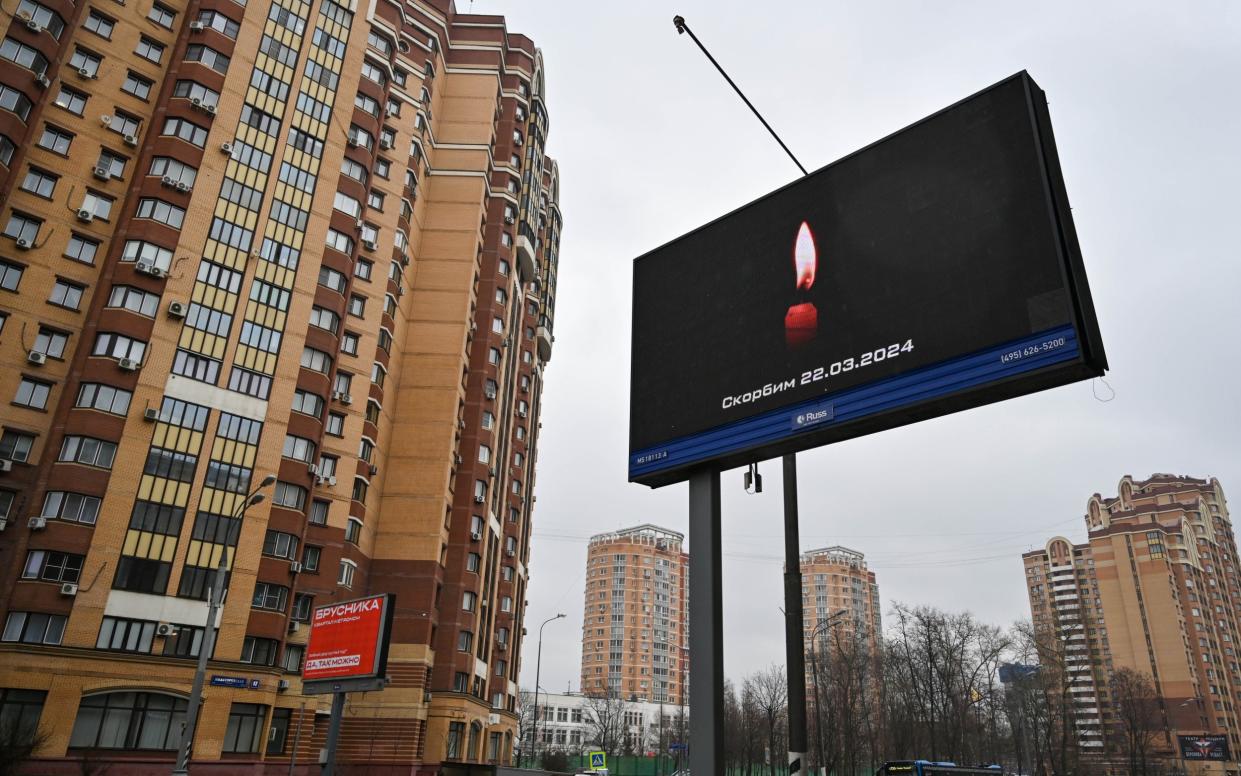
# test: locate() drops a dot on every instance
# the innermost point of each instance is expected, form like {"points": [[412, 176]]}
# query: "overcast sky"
{"points": [[652, 143]]}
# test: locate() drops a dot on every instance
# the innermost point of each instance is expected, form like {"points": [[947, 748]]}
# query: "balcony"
{"points": [[543, 336], [525, 258]]}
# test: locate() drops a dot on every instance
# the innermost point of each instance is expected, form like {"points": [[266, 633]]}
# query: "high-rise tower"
{"points": [[634, 636], [300, 237]]}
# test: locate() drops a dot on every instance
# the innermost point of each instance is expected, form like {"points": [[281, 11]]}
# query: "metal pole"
{"points": [[214, 594], [297, 737], [794, 637], [818, 700], [538, 666], [333, 732], [706, 620]]}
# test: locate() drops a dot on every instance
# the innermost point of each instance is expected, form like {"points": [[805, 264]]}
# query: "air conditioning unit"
{"points": [[127, 364], [131, 140], [84, 73], [38, 523], [385, 143], [461, 423], [336, 395], [183, 187], [353, 142], [150, 414], [456, 459], [475, 536], [105, 120], [331, 481], [510, 553], [166, 629], [282, 684], [373, 470], [319, 478], [210, 109], [227, 148], [23, 244], [102, 173], [85, 216], [197, 26], [43, 81], [6, 465], [3, 523], [346, 399], [69, 589], [35, 357], [33, 26], [176, 309], [312, 469], [522, 413], [510, 220], [357, 225], [168, 180], [295, 567], [491, 393], [294, 626], [370, 245], [150, 269], [479, 500], [197, 102]]}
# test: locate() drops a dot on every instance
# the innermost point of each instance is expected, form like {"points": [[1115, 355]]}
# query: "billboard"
{"points": [[349, 640], [1213, 748], [933, 271]]}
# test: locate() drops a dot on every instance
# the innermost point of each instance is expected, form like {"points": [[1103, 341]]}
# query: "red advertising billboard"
{"points": [[349, 640]]}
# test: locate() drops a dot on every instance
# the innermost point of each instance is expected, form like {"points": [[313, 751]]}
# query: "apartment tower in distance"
{"points": [[840, 599], [634, 636], [1154, 588], [305, 238]]}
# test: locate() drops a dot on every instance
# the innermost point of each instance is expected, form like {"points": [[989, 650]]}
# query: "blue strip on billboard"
{"points": [[1048, 348]]}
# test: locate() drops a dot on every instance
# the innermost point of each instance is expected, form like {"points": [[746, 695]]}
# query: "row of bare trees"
{"points": [[930, 689]]}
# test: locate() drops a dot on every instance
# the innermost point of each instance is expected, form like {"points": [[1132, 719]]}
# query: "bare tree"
{"points": [[18, 743], [768, 688], [605, 714], [1137, 718]]}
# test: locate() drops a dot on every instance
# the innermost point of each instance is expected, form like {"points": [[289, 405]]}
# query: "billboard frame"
{"points": [[373, 679], [1090, 359]]}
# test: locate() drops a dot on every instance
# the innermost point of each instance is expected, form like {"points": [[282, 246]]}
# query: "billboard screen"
{"points": [[349, 640], [933, 271], [1204, 748]]}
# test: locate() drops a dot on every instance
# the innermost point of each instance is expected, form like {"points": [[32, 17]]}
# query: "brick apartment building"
{"points": [[317, 240]]}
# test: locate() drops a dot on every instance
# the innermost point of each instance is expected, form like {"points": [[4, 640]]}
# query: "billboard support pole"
{"points": [[333, 733], [794, 636], [706, 625]]}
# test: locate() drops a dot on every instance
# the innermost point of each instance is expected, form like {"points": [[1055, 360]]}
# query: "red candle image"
{"points": [[801, 322]]}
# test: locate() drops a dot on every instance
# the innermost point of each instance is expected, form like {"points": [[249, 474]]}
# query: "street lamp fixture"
{"points": [[215, 595], [538, 665]]}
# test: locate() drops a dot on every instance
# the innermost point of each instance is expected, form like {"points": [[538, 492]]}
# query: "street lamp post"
{"points": [[215, 594], [822, 627], [538, 665]]}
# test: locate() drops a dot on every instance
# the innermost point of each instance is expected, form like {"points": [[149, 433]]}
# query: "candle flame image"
{"points": [[801, 322], [805, 257]]}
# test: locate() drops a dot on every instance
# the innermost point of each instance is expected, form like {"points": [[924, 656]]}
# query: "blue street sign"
{"points": [[229, 681]]}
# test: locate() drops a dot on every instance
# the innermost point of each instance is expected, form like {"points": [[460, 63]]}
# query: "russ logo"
{"points": [[801, 322]]}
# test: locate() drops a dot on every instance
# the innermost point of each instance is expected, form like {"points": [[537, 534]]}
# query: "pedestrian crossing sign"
{"points": [[598, 761]]}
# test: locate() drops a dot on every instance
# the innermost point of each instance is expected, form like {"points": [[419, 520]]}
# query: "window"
{"points": [[375, 199], [32, 393], [34, 628], [339, 241], [269, 596], [129, 720], [113, 345], [98, 205], [23, 56], [15, 102], [347, 204], [86, 63], [374, 73], [51, 566], [159, 256], [179, 172], [291, 661], [360, 489], [366, 103], [125, 635], [363, 268], [318, 512], [162, 15], [15, 445], [280, 545], [259, 651], [484, 454], [353, 530], [357, 305], [324, 319], [220, 23], [349, 343], [137, 85], [308, 403], [71, 100], [22, 227], [289, 495], [87, 450], [335, 424], [55, 140], [99, 24], [465, 641], [299, 448], [20, 711], [196, 52], [149, 49], [378, 374], [310, 561], [330, 278], [469, 600], [39, 183], [185, 130], [66, 294], [316, 360], [134, 299], [347, 570], [161, 211], [72, 507]]}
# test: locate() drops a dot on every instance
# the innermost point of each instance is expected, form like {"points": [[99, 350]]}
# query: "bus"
{"points": [[928, 768]]}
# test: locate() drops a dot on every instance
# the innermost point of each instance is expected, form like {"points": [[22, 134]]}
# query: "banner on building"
{"points": [[1213, 748]]}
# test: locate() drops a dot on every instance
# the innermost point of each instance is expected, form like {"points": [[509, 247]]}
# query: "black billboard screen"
{"points": [[933, 271], [1212, 747]]}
